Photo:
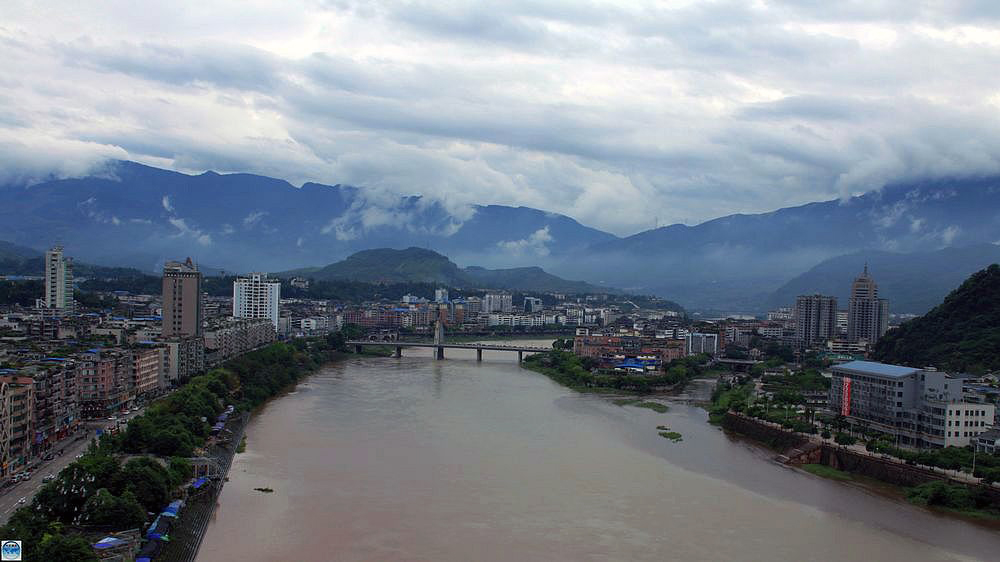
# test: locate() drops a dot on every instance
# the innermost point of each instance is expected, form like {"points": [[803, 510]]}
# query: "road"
{"points": [[28, 488]]}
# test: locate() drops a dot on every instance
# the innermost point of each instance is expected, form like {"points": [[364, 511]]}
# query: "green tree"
{"points": [[56, 546], [120, 513]]}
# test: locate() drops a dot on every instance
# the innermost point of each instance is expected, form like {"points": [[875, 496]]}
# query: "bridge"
{"points": [[479, 347], [440, 345]]}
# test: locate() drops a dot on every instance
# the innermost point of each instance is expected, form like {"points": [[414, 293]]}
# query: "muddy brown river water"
{"points": [[417, 459]]}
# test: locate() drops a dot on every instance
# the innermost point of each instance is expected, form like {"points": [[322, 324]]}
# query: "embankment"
{"points": [[797, 449]]}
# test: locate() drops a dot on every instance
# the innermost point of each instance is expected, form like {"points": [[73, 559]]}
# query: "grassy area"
{"points": [[625, 401], [655, 406], [242, 446], [671, 435], [826, 472]]}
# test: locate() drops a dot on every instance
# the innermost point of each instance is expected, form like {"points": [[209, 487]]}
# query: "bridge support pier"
{"points": [[357, 349], [520, 356], [479, 355], [399, 351], [440, 352]]}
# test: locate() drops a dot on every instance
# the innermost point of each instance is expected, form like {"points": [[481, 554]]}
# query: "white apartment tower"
{"points": [[498, 302], [256, 296], [58, 279]]}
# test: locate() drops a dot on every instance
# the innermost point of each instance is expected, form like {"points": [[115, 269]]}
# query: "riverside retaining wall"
{"points": [[800, 450]]}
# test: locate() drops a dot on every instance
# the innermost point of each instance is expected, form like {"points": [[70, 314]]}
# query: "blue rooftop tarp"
{"points": [[109, 542], [873, 368], [199, 483], [173, 509]]}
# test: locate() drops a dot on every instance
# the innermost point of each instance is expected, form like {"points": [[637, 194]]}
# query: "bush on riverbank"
{"points": [[575, 372], [955, 497]]}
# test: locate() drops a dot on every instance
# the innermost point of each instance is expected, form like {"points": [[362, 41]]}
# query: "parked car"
{"points": [[49, 478], [80, 456], [26, 475], [22, 501], [112, 418]]}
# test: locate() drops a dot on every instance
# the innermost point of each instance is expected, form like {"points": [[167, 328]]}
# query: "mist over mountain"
{"points": [[914, 282], [737, 262], [134, 215]]}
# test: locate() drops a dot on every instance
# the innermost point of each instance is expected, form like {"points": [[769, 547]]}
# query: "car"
{"points": [[27, 476], [112, 418], [80, 456], [22, 501], [49, 478]]}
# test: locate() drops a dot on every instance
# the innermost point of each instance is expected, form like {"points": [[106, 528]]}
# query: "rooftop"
{"points": [[880, 369]]}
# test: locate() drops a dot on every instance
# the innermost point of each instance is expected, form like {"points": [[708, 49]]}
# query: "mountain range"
{"points": [[129, 214]]}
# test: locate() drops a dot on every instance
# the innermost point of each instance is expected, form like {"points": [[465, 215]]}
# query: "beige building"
{"points": [[182, 300], [234, 336], [17, 404]]}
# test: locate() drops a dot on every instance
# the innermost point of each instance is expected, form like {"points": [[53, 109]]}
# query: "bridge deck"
{"points": [[486, 346]]}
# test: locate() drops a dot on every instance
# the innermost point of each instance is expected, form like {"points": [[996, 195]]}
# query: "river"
{"points": [[417, 459]]}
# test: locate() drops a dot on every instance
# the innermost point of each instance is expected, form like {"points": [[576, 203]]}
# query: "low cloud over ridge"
{"points": [[620, 116]]}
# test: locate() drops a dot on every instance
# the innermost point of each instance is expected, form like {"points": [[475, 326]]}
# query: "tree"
{"points": [[148, 480], [120, 513], [56, 546]]}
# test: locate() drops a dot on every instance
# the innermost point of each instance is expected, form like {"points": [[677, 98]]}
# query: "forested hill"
{"points": [[961, 334]]}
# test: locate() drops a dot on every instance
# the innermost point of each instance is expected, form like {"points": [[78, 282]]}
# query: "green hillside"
{"points": [[419, 265], [960, 334]]}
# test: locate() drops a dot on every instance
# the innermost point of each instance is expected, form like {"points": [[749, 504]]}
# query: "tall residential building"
{"points": [[815, 319], [256, 296], [867, 315], [440, 295], [183, 311], [58, 279], [498, 302]]}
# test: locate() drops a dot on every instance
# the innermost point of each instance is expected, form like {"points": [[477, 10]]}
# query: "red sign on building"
{"points": [[845, 403]]}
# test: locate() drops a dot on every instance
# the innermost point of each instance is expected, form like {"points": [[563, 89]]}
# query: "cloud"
{"points": [[661, 112], [253, 218], [183, 229], [535, 244], [166, 204]]}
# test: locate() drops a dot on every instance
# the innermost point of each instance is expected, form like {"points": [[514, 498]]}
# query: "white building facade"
{"points": [[256, 296]]}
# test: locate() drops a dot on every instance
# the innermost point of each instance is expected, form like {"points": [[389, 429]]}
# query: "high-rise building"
{"points": [[498, 302], [183, 310], [256, 296], [532, 304], [702, 343], [867, 315], [815, 319], [440, 295], [58, 279]]}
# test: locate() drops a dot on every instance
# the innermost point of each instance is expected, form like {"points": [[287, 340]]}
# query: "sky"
{"points": [[623, 115]]}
